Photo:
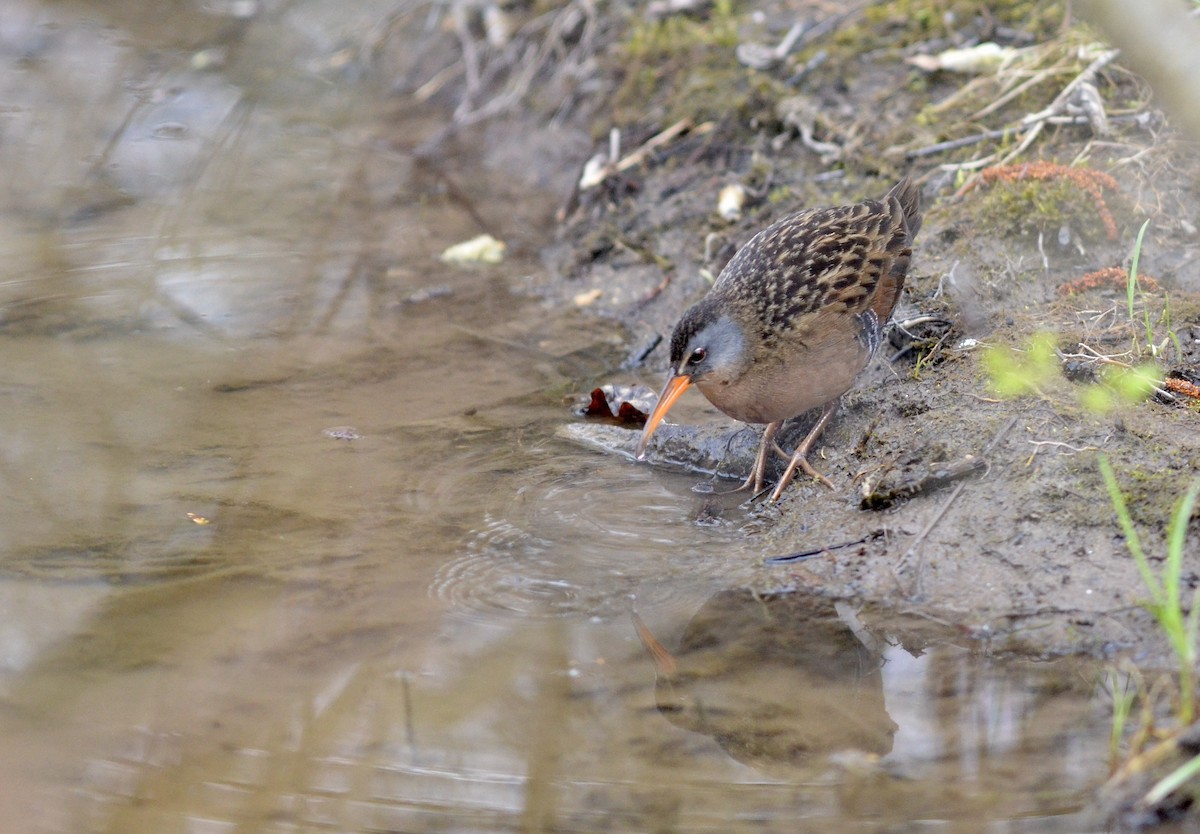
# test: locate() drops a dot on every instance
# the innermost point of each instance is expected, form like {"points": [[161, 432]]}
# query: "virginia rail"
{"points": [[792, 320]]}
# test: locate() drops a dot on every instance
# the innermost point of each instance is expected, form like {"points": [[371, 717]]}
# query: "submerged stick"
{"points": [[808, 554]]}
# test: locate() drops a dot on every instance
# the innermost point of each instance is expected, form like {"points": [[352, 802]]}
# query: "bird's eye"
{"points": [[697, 356]]}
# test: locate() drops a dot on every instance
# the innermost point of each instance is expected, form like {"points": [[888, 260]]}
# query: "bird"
{"points": [[792, 319]]}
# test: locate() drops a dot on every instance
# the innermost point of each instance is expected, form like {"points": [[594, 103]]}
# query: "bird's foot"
{"points": [[758, 472], [799, 461], [753, 482], [800, 457]]}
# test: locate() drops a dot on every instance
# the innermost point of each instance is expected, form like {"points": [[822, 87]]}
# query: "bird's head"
{"points": [[708, 349]]}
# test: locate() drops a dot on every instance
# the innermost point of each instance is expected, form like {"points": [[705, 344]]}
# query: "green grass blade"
{"points": [[1166, 321], [1173, 781], [1131, 537], [1181, 631], [1131, 286], [1177, 529], [1122, 707], [1187, 665], [1176, 538], [1193, 620]]}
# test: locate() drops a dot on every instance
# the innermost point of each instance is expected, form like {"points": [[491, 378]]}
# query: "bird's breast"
{"points": [[790, 378]]}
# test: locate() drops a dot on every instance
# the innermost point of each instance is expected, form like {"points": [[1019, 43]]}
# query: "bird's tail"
{"points": [[904, 200], [908, 195]]}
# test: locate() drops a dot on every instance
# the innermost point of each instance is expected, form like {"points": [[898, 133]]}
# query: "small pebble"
{"points": [[588, 298], [483, 249], [731, 201], [347, 433]]}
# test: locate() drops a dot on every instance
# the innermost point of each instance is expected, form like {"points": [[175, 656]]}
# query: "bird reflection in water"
{"points": [[778, 679]]}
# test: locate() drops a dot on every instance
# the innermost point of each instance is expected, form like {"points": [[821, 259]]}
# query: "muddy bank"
{"points": [[1026, 550], [1039, 157]]}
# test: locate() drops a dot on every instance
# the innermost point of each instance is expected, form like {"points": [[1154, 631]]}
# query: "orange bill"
{"points": [[672, 391]]}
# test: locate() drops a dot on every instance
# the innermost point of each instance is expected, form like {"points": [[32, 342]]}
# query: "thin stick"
{"points": [[1036, 78], [1058, 444], [952, 144], [1057, 106], [652, 143], [1000, 133], [1034, 123], [820, 551], [638, 156], [1096, 356]]}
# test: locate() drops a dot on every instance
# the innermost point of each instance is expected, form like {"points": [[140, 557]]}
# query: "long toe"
{"points": [[753, 480], [800, 458], [799, 461]]}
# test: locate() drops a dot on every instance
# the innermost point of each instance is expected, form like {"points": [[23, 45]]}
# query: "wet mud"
{"points": [[1022, 545]]}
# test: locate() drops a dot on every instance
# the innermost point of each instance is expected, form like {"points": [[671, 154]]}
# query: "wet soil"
{"points": [[965, 468], [1025, 549]]}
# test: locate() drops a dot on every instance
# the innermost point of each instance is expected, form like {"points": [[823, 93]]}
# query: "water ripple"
{"points": [[506, 571], [572, 535]]}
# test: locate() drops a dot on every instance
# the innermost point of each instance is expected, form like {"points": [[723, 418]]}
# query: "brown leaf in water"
{"points": [[627, 414], [598, 407], [630, 415]]}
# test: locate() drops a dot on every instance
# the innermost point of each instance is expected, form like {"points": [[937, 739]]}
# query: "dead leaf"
{"points": [[627, 413]]}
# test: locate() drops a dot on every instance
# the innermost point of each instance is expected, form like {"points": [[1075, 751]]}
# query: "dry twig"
{"points": [[599, 169], [1038, 445], [1078, 97], [557, 47]]}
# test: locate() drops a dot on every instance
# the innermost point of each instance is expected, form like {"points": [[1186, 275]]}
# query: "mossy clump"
{"points": [[782, 195], [902, 22], [686, 67], [1027, 207]]}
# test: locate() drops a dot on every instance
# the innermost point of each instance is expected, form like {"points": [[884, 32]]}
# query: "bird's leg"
{"points": [[800, 457], [758, 472]]}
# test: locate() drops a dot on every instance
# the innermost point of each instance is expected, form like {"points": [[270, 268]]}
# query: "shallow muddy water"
{"points": [[290, 544]]}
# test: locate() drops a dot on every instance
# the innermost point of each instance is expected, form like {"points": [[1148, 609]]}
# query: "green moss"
{"points": [[906, 21], [662, 39], [781, 195], [1033, 206], [686, 67], [1150, 494], [901, 23]]}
